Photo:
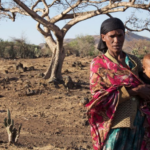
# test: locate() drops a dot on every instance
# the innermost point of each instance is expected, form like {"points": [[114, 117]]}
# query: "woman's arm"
{"points": [[142, 90]]}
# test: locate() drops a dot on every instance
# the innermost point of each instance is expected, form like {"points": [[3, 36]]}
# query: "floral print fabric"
{"points": [[106, 77]]}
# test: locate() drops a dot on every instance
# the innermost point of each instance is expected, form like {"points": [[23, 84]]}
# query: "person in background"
{"points": [[117, 113]]}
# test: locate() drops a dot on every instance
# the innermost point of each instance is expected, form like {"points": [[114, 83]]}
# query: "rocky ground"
{"points": [[53, 117]]}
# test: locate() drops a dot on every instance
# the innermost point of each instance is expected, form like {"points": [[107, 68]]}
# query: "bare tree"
{"points": [[73, 11]]}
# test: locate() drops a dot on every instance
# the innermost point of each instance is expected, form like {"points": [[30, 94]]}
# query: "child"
{"points": [[145, 74]]}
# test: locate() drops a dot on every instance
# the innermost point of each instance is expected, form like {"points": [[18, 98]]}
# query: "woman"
{"points": [[117, 113]]}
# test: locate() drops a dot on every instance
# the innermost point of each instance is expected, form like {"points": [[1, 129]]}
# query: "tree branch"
{"points": [[60, 16], [132, 1], [95, 2], [52, 3], [13, 17], [38, 10], [137, 29], [46, 9], [39, 19], [116, 7], [88, 15], [132, 20], [109, 15], [35, 4], [40, 30], [50, 40], [70, 7], [13, 10]]}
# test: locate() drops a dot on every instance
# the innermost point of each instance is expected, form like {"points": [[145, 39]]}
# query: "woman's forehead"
{"points": [[114, 32]]}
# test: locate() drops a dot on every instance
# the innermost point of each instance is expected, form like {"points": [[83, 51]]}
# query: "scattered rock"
{"points": [[10, 67], [35, 115], [27, 85], [54, 84], [30, 76], [2, 87], [40, 75], [48, 107], [74, 64], [84, 101], [78, 84], [30, 68], [30, 92], [20, 81], [77, 64], [88, 147], [30, 147], [25, 68], [66, 71], [85, 123], [4, 80], [68, 83], [1, 142], [22, 93], [2, 111], [19, 67], [82, 148], [76, 54], [68, 53], [42, 114], [57, 131], [5, 71], [80, 68]]}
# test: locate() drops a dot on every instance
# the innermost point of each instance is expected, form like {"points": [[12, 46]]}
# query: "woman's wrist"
{"points": [[133, 91]]}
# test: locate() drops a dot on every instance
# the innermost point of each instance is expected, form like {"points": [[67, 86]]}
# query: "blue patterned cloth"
{"points": [[128, 62], [126, 138]]}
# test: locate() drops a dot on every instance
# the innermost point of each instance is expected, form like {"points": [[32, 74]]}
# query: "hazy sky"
{"points": [[27, 26]]}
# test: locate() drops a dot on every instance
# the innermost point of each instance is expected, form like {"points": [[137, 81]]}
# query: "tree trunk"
{"points": [[54, 70]]}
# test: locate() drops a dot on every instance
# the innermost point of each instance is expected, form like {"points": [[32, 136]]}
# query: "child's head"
{"points": [[146, 65]]}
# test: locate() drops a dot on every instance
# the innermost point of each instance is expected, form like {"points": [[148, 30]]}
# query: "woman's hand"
{"points": [[142, 90]]}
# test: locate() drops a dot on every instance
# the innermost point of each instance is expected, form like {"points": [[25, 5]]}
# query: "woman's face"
{"points": [[114, 40]]}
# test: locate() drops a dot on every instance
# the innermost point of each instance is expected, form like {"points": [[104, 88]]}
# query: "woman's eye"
{"points": [[112, 36]]}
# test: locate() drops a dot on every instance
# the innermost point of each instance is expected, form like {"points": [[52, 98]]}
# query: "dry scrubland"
{"points": [[52, 117]]}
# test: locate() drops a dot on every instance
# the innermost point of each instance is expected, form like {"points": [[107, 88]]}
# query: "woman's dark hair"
{"points": [[107, 26]]}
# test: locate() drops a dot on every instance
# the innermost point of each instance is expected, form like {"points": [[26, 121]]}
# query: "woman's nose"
{"points": [[116, 39]]}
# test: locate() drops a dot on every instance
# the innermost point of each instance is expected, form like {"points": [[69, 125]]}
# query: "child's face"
{"points": [[146, 67]]}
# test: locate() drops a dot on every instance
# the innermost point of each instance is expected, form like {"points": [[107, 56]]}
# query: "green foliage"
{"points": [[140, 50], [134, 51], [8, 121], [2, 47], [46, 51], [82, 45], [13, 133], [140, 56], [18, 49]]}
